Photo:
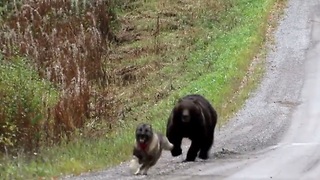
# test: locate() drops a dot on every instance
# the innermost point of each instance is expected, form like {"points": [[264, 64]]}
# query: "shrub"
{"points": [[25, 100], [67, 44]]}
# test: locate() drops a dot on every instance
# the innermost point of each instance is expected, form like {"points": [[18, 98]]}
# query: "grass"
{"points": [[204, 52]]}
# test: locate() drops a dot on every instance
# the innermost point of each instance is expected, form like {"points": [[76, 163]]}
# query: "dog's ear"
{"points": [[145, 125], [150, 126], [139, 125]]}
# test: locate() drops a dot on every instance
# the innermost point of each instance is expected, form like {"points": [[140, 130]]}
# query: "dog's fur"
{"points": [[147, 149]]}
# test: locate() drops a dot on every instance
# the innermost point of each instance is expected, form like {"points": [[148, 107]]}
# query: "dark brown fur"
{"points": [[192, 117]]}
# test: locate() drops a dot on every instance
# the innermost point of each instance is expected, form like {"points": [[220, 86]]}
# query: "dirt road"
{"points": [[277, 133]]}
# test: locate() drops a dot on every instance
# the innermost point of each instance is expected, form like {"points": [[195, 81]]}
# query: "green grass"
{"points": [[23, 94], [215, 68]]}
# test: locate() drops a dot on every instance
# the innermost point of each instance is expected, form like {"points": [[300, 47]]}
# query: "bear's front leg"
{"points": [[193, 151], [176, 151], [205, 148], [176, 141]]}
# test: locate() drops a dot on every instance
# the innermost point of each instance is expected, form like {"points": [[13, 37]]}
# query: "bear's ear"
{"points": [[176, 106], [197, 103], [179, 100]]}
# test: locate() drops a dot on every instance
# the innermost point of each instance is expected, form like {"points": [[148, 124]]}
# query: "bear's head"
{"points": [[186, 109]]}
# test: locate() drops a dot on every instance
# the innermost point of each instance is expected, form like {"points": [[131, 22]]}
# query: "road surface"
{"points": [[277, 132]]}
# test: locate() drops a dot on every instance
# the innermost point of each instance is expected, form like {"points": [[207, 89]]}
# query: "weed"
{"points": [[114, 70], [25, 99], [67, 42]]}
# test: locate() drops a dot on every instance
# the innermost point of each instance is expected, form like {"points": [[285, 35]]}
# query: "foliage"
{"points": [[25, 99], [115, 63], [66, 42]]}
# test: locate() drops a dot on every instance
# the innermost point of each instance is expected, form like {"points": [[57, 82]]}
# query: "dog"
{"points": [[147, 149]]}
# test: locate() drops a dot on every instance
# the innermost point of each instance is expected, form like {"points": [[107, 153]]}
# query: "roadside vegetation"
{"points": [[77, 76]]}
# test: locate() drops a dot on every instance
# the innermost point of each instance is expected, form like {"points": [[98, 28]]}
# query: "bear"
{"points": [[195, 118]]}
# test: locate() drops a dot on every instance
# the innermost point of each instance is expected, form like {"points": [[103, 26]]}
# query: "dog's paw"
{"points": [[170, 147], [145, 172], [166, 144], [138, 172], [134, 165]]}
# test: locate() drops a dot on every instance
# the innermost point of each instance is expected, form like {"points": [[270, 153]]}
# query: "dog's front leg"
{"points": [[142, 170], [145, 170], [138, 171]]}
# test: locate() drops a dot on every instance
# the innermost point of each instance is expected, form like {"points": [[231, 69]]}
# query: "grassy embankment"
{"points": [[213, 58]]}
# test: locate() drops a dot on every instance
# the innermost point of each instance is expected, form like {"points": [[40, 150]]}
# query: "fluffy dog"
{"points": [[147, 149], [192, 117]]}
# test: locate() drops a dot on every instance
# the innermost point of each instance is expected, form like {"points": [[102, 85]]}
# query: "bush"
{"points": [[25, 100], [67, 44]]}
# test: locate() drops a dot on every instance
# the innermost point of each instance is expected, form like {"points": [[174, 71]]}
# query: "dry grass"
{"points": [[102, 64], [67, 45], [112, 64]]}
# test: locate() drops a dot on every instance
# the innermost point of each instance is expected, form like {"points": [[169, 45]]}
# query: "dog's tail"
{"points": [[134, 165], [166, 144]]}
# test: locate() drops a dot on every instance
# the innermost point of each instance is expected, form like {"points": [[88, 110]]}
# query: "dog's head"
{"points": [[144, 134]]}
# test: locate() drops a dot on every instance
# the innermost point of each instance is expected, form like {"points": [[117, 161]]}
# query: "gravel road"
{"points": [[277, 132]]}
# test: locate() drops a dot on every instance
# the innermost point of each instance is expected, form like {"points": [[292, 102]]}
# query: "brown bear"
{"points": [[192, 117]]}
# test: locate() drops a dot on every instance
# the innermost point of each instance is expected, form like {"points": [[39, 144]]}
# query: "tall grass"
{"points": [[112, 64], [25, 101], [66, 42]]}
